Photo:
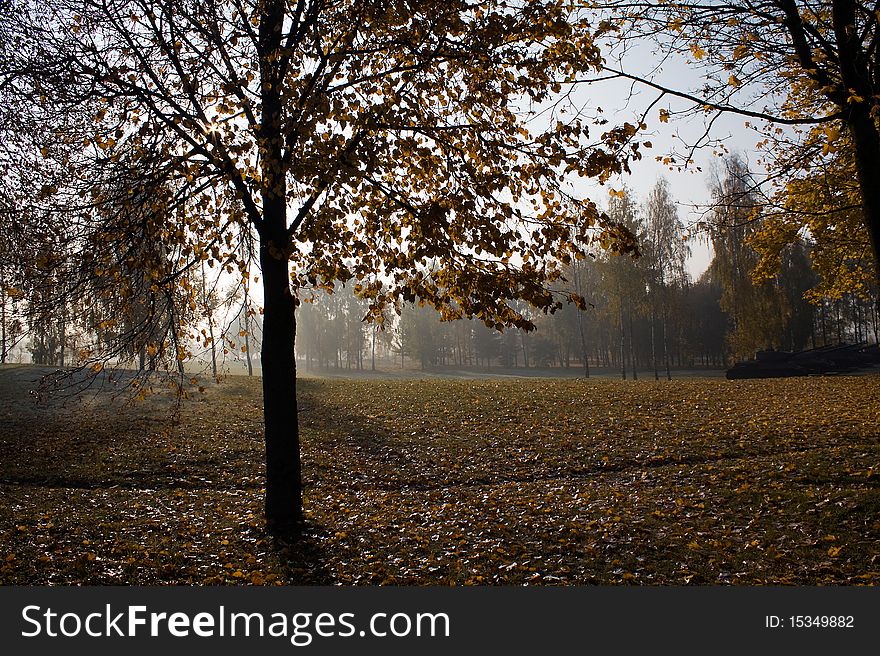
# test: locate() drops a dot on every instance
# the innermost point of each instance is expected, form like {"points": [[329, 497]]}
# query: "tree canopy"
{"points": [[418, 147], [812, 66]]}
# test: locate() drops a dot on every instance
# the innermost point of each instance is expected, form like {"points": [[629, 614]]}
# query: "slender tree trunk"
{"points": [[247, 348], [632, 351], [175, 338], [874, 316], [666, 347], [622, 344], [580, 316], [62, 339], [2, 318], [837, 322], [584, 354], [247, 332], [654, 344], [210, 315], [824, 320]]}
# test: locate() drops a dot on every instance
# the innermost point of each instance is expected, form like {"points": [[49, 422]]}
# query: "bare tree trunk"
{"points": [[247, 332], [283, 466], [584, 354], [247, 345], [622, 344], [62, 339], [824, 319], [284, 511], [3, 348], [175, 338], [210, 315], [666, 346], [874, 317], [580, 315], [838, 324], [632, 352], [654, 343]]}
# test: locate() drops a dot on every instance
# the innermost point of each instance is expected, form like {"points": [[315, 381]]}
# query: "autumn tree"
{"points": [[757, 311], [819, 202], [706, 325], [362, 140], [585, 280], [778, 63], [624, 281], [665, 254]]}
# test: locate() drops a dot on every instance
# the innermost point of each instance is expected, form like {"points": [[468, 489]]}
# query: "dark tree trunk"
{"points": [[283, 467], [284, 512], [666, 346], [584, 354], [857, 78], [654, 346], [2, 318], [867, 147], [632, 352], [210, 314], [622, 344]]}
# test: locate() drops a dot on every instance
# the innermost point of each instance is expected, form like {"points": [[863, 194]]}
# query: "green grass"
{"points": [[539, 481]]}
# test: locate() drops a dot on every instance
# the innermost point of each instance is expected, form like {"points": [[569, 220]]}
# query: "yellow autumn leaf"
{"points": [[697, 51]]}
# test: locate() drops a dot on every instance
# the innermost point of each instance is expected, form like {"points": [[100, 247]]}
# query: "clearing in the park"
{"points": [[540, 481]]}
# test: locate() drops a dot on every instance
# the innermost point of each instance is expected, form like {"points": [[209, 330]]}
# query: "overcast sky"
{"points": [[625, 101]]}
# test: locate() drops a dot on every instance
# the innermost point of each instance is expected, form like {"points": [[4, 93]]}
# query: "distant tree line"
{"points": [[641, 316]]}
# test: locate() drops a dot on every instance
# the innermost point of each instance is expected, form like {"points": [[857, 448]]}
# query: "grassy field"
{"points": [[697, 481]]}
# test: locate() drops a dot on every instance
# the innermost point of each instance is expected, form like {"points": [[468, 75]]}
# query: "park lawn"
{"points": [[531, 481]]}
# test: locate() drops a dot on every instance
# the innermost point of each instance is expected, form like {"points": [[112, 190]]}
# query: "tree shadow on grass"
{"points": [[301, 555]]}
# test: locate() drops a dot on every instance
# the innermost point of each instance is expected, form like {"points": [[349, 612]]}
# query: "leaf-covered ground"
{"points": [[697, 481]]}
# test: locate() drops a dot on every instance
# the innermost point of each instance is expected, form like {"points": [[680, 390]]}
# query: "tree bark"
{"points": [[210, 315], [2, 318], [654, 343], [666, 346], [622, 342], [632, 353], [284, 513], [867, 147], [283, 467]]}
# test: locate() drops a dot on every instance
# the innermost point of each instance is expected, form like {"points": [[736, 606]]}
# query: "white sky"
{"points": [[626, 101]]}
